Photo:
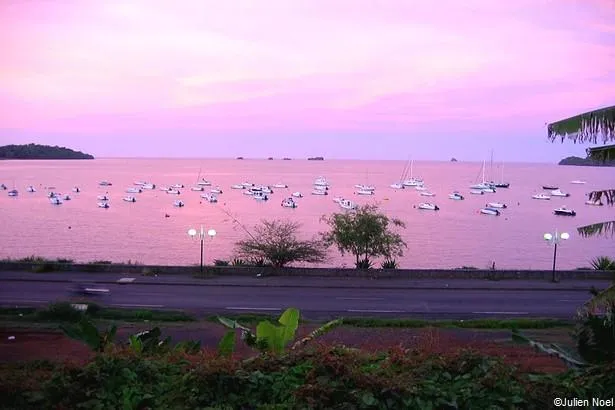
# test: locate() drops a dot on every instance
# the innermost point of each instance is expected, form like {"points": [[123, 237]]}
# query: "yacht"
{"points": [[237, 186], [557, 192], [178, 186], [105, 183], [297, 194], [489, 211], [281, 186], [199, 188], [319, 192], [30, 189], [216, 190], [266, 190], [55, 200], [203, 182], [148, 186], [248, 192], [489, 189], [426, 193], [397, 186], [134, 190], [549, 187], [99, 197], [247, 184], [363, 187], [477, 192], [211, 198], [173, 191], [178, 203], [578, 182], [13, 192], [130, 199], [51, 194], [104, 205], [321, 187], [564, 211], [456, 196], [289, 203], [497, 205], [338, 199], [321, 181], [260, 196], [347, 204], [541, 196], [429, 207], [594, 203], [364, 192]]}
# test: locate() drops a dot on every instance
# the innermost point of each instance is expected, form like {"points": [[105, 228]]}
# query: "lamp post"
{"points": [[201, 235], [554, 239]]}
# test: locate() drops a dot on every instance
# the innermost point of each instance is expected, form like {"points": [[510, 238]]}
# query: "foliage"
{"points": [[571, 359], [220, 262], [364, 264], [238, 262], [86, 332], [389, 264], [603, 263], [365, 234], [36, 151], [276, 242]]}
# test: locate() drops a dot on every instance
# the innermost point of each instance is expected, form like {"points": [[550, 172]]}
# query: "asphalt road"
{"points": [[314, 303]]}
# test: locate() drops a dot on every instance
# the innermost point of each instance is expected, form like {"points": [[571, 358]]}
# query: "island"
{"points": [[453, 159], [270, 158], [286, 159], [578, 161], [239, 158], [36, 151], [316, 158]]}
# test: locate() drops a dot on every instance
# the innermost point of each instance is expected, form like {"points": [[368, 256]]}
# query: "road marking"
{"points": [[374, 311], [359, 298], [24, 301], [502, 313], [251, 308], [133, 305], [573, 301]]}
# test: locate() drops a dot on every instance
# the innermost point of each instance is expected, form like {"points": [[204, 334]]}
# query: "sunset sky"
{"points": [[340, 78]]}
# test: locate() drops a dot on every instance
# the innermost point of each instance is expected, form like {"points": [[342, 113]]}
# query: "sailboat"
{"points": [[400, 184], [484, 185], [412, 181], [502, 184]]}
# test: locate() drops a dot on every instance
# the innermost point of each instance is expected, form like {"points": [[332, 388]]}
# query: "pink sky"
{"points": [[339, 78]]}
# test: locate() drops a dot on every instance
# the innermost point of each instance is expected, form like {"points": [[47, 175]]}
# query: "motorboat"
{"points": [[260, 196], [102, 197], [178, 186], [397, 186], [321, 181], [413, 182], [541, 196], [66, 197], [2, 187], [364, 192], [338, 199], [212, 198], [297, 194], [477, 192], [173, 191], [428, 206], [203, 182], [289, 203], [363, 187], [489, 190], [549, 187], [105, 183], [55, 200], [578, 182], [266, 190], [13, 192], [134, 190], [216, 190], [502, 184], [456, 196], [30, 189], [104, 205], [281, 186], [139, 183], [319, 192], [564, 211], [557, 192], [129, 199], [248, 192], [347, 204], [420, 188], [148, 186], [490, 211], [199, 188], [76, 189], [238, 186], [496, 205], [164, 188], [321, 187], [51, 194], [426, 193], [247, 184], [178, 203], [594, 203]]}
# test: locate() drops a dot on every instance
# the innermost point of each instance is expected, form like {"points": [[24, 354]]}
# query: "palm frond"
{"points": [[598, 229], [586, 127], [608, 194], [605, 153], [604, 298]]}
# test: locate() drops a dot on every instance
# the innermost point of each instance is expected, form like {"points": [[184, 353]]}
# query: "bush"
{"points": [[238, 262], [364, 264], [220, 262], [61, 312], [389, 264], [150, 272], [603, 263]]}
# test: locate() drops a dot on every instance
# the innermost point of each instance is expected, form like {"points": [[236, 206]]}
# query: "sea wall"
{"points": [[307, 272]]}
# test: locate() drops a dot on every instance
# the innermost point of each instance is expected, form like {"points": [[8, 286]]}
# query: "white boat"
{"points": [[289, 203], [489, 190], [66, 197], [364, 192], [148, 186], [173, 191], [347, 204], [237, 186], [319, 192], [477, 192], [426, 193], [428, 206], [178, 203], [248, 192], [564, 211], [420, 188], [203, 182], [578, 182], [134, 190], [497, 205], [247, 184], [30, 189], [594, 203], [412, 181], [260, 196], [140, 183], [541, 196], [103, 205], [2, 187], [178, 186], [105, 183], [76, 189], [321, 181], [281, 186], [198, 188], [297, 194], [216, 190], [557, 192], [456, 196], [363, 187], [484, 185], [489, 211], [129, 199], [51, 194], [55, 200], [266, 190], [163, 188], [321, 187], [338, 199], [398, 185], [13, 192], [212, 198], [102, 197]]}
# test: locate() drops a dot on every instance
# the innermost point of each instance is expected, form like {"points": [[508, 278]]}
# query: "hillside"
{"points": [[585, 162], [36, 151]]}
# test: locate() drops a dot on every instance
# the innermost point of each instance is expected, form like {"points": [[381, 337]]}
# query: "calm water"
{"points": [[456, 235]]}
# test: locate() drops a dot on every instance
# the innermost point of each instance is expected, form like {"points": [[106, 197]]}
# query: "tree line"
{"points": [[36, 151]]}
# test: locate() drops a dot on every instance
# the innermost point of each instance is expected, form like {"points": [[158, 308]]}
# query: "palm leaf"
{"points": [[604, 298], [598, 229], [608, 194], [586, 127]]}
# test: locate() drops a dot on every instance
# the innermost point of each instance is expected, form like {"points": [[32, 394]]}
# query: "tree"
{"points": [[365, 233], [276, 242]]}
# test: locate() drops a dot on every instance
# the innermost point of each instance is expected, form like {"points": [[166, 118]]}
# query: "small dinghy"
{"points": [[55, 200], [490, 211], [104, 205], [456, 196], [429, 207], [130, 199], [179, 203], [564, 211], [297, 194], [496, 205], [289, 203]]}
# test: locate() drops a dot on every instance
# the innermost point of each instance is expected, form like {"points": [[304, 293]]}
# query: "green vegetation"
{"points": [[586, 162], [462, 324], [36, 151], [276, 243], [365, 233], [603, 263]]}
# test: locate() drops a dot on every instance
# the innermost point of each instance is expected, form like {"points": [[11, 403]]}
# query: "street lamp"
{"points": [[554, 239], [201, 235]]}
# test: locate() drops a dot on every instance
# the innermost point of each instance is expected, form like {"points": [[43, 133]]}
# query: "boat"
{"points": [[212, 198], [266, 190], [237, 186], [66, 197], [363, 187], [289, 203], [557, 192], [477, 192], [398, 185], [260, 196], [456, 196], [578, 182], [420, 188], [129, 199], [489, 211], [319, 192], [139, 183], [164, 188], [549, 187], [105, 183], [247, 184], [216, 190], [100, 197], [594, 203], [30, 189], [321, 181], [412, 181], [338, 199], [55, 200], [173, 191], [13, 192], [51, 194], [321, 187], [203, 182], [280, 186], [76, 189], [500, 184], [178, 186], [496, 205], [484, 185], [197, 188], [2, 187], [103, 205], [347, 204], [134, 190], [564, 211], [541, 196], [178, 203], [148, 186], [428, 206], [426, 193], [364, 192], [248, 192], [297, 194]]}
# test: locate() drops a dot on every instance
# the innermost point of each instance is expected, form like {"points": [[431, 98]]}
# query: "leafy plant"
{"points": [[85, 331], [364, 264], [61, 311], [238, 262], [389, 264], [603, 263], [220, 262]]}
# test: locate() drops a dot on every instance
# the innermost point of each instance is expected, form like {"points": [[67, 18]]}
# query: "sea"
{"points": [[153, 231]]}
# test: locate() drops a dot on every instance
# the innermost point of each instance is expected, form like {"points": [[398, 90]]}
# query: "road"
{"points": [[315, 303]]}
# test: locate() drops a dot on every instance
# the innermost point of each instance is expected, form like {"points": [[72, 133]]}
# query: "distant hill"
{"points": [[585, 162], [36, 151], [316, 158]]}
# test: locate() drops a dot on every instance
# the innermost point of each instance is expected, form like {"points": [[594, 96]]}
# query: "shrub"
{"points": [[238, 262], [389, 264], [603, 263], [150, 272], [364, 264], [62, 312], [220, 262]]}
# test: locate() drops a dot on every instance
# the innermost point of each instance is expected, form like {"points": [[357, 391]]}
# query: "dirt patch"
{"points": [[40, 345]]}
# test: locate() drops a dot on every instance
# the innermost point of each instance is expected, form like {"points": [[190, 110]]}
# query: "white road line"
{"points": [[24, 301], [251, 308], [374, 311], [359, 298], [133, 305], [502, 313], [573, 301]]}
